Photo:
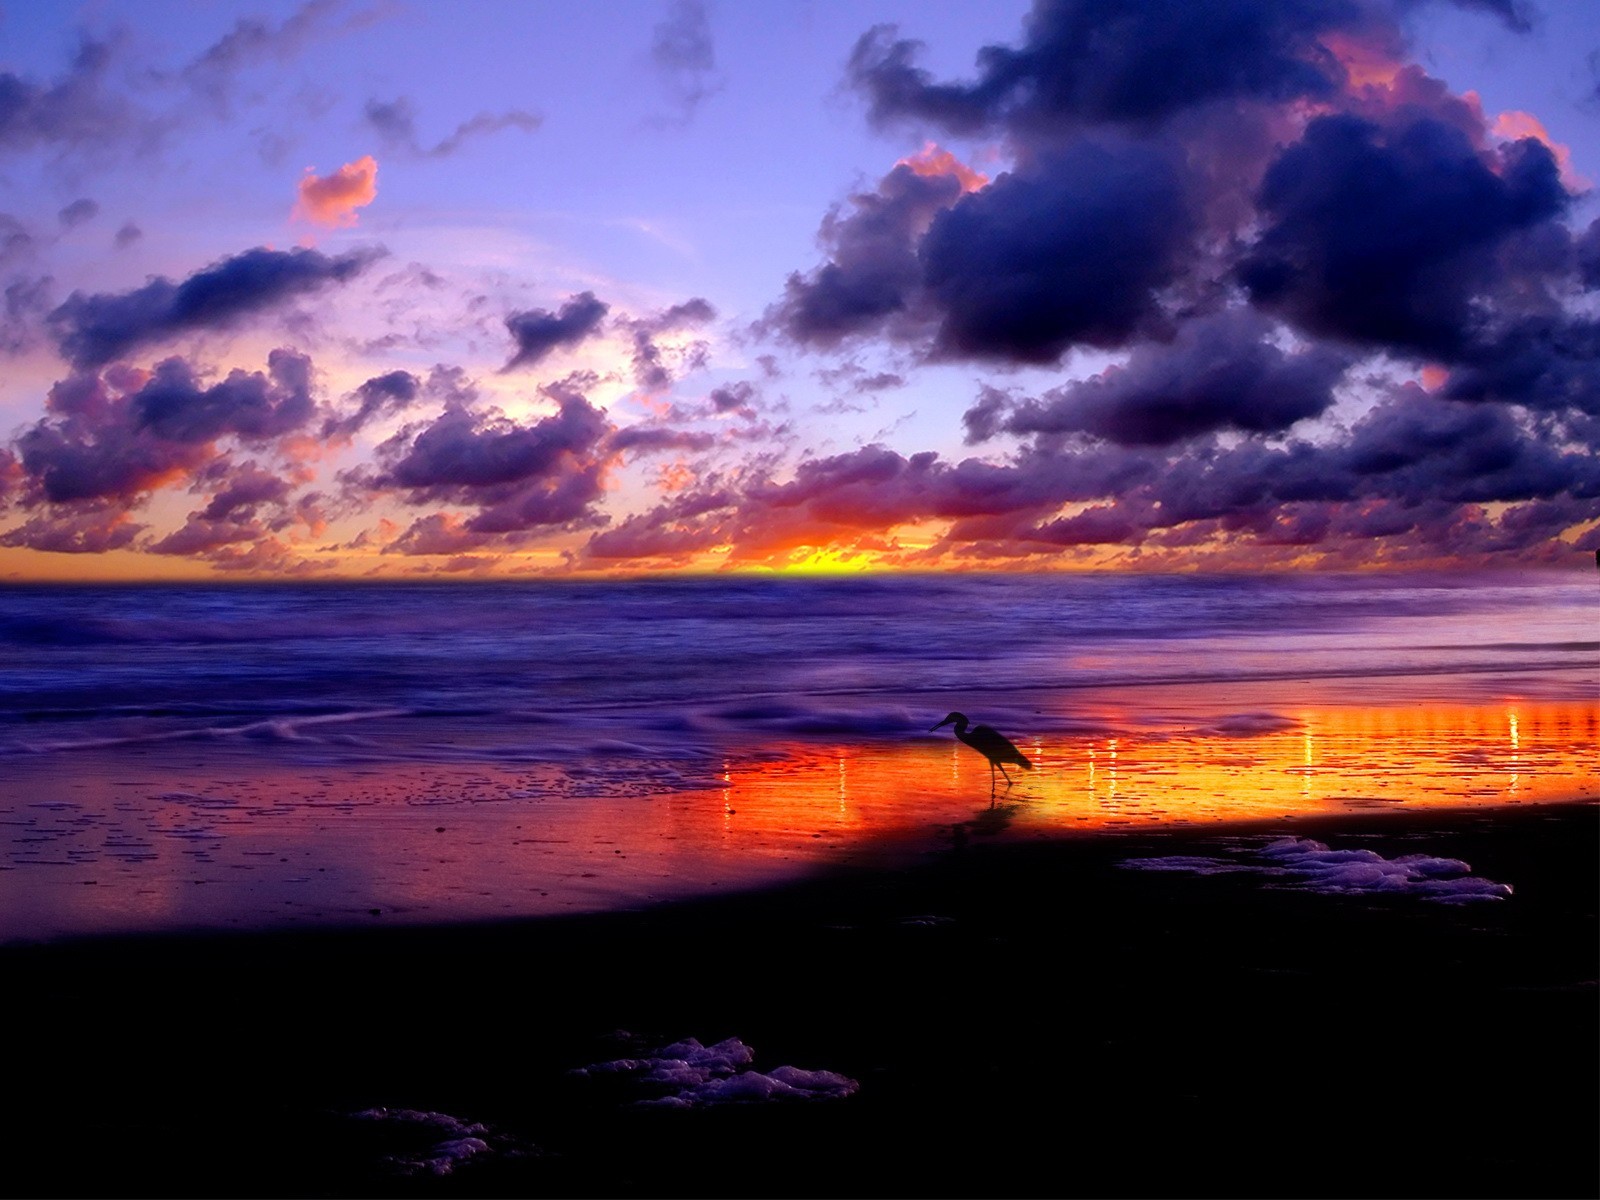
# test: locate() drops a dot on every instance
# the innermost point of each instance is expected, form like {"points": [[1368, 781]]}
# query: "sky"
{"points": [[394, 288]]}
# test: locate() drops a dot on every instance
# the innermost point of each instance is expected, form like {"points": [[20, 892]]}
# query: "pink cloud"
{"points": [[332, 200]]}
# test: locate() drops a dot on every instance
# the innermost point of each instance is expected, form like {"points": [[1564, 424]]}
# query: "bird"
{"points": [[994, 746]]}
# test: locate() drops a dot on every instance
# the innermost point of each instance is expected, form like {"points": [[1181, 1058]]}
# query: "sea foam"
{"points": [[687, 1074], [1317, 867]]}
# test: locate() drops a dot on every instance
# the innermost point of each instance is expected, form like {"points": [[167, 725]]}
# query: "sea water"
{"points": [[244, 756]]}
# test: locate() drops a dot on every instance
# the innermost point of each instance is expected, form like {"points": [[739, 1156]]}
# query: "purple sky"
{"points": [[396, 287]]}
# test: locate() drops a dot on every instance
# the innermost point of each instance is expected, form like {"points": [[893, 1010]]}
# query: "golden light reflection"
{"points": [[111, 844]]}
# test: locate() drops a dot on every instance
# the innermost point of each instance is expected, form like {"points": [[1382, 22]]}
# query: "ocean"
{"points": [[262, 756]]}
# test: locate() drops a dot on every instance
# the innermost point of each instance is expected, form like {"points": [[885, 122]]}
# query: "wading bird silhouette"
{"points": [[993, 746]]}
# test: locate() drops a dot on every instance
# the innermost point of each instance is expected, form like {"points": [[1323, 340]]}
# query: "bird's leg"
{"points": [[1003, 771]]}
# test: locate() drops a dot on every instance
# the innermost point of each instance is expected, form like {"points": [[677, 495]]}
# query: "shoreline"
{"points": [[1025, 1017]]}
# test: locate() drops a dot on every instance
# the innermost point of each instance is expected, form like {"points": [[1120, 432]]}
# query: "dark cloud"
{"points": [[538, 332], [518, 476], [1389, 236], [675, 529], [92, 330], [78, 212], [118, 435], [684, 55], [734, 398], [255, 42], [438, 533], [1418, 475], [1073, 247], [90, 529], [873, 272], [378, 396], [1221, 373], [854, 378], [1259, 201], [1071, 251], [651, 439], [75, 111], [690, 314], [249, 405], [1588, 255], [127, 235], [1551, 364], [16, 242], [199, 537], [26, 302], [396, 122], [1099, 61], [651, 367], [242, 489]]}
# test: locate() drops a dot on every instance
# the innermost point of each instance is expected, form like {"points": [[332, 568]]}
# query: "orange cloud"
{"points": [[332, 200], [931, 160], [1514, 126], [1366, 63]]}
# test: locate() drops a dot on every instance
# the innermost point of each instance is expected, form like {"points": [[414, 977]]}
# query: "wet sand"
{"points": [[1022, 1019]]}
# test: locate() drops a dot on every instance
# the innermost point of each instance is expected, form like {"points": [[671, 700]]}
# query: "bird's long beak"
{"points": [[941, 724]]}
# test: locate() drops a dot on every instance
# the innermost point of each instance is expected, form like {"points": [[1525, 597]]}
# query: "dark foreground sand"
{"points": [[1022, 1020]]}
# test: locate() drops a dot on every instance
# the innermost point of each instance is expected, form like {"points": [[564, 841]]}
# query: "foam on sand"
{"points": [[687, 1074], [435, 1143], [1319, 868]]}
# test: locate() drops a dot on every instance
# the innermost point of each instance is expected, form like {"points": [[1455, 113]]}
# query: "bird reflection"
{"points": [[993, 746]]}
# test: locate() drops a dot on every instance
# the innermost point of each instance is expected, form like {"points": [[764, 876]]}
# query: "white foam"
{"points": [[1329, 870], [1345, 872], [461, 1140], [687, 1073]]}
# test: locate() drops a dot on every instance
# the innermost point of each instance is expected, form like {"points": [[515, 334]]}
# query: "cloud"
{"points": [[1110, 61], [382, 394], [1415, 477], [684, 55], [873, 275], [87, 530], [1282, 212], [1220, 373], [176, 407], [16, 242], [127, 235], [78, 212], [519, 477], [332, 200], [396, 122], [253, 41], [118, 435], [539, 332], [27, 300], [651, 368], [1071, 251], [92, 330], [649, 439], [1391, 236], [74, 112], [1073, 248], [738, 398], [243, 489]]}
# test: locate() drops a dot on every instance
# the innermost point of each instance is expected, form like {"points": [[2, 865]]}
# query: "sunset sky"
{"points": [[399, 288]]}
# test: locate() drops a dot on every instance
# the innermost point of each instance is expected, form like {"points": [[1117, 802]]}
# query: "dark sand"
{"points": [[1067, 1027]]}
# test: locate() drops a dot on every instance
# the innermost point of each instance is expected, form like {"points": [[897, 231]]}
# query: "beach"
{"points": [[684, 887], [1023, 1018]]}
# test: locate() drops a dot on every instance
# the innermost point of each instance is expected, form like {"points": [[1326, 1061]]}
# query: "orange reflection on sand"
{"points": [[248, 840], [1323, 760]]}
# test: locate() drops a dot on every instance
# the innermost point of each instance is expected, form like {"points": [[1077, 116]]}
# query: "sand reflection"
{"points": [[231, 839]]}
